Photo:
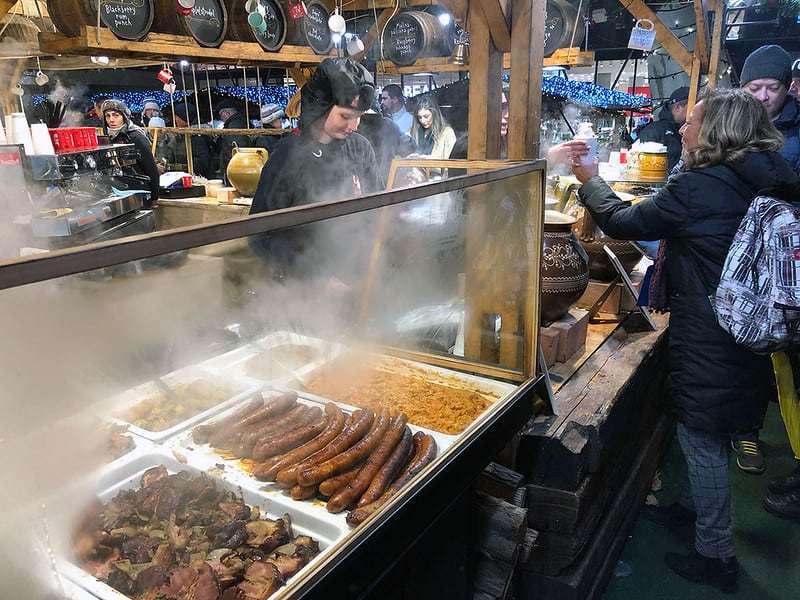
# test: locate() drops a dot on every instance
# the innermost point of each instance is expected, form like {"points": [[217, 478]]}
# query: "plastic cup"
{"points": [[186, 181]]}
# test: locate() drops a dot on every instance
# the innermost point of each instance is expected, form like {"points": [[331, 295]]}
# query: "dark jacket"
{"points": [[303, 171], [226, 143], [201, 155], [714, 384], [788, 123], [387, 140], [664, 131], [146, 164]]}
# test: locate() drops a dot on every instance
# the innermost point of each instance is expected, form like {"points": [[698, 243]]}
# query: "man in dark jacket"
{"points": [[666, 130], [232, 118], [185, 115], [386, 138], [767, 75]]}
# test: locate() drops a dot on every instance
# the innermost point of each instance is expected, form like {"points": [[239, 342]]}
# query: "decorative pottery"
{"points": [[244, 169], [565, 273], [592, 239]]}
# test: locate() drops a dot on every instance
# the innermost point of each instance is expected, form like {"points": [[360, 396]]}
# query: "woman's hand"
{"points": [[565, 152]]}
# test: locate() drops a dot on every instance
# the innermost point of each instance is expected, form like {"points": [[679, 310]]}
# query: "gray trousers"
{"points": [[706, 489]]}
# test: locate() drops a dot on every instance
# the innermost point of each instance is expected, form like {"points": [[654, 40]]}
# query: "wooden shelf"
{"points": [[93, 41], [421, 65]]}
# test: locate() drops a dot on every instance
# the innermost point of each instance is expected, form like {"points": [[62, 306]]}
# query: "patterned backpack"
{"points": [[758, 297]]}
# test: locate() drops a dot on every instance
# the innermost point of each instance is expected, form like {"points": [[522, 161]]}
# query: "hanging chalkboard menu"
{"points": [[273, 37], [207, 23], [315, 23], [127, 19]]}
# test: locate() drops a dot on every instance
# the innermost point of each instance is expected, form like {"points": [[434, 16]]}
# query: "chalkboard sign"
{"points": [[127, 19], [315, 23], [272, 39], [207, 23]]}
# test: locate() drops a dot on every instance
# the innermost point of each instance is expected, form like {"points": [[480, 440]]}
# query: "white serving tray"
{"points": [[242, 389], [234, 363], [126, 474]]}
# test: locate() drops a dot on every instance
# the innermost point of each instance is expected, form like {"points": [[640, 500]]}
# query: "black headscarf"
{"points": [[337, 81]]}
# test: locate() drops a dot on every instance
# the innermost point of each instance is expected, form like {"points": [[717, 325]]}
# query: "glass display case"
{"points": [[115, 356]]}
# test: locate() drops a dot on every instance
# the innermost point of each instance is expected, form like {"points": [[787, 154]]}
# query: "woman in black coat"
{"points": [[118, 126], [715, 386]]}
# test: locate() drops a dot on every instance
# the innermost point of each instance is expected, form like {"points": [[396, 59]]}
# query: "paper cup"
{"points": [[592, 143], [42, 144]]}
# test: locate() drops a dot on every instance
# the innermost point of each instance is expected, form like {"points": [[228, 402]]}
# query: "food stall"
{"points": [[88, 347]]}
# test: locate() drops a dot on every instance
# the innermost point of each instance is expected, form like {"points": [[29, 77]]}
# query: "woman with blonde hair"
{"points": [[714, 386], [432, 134]]}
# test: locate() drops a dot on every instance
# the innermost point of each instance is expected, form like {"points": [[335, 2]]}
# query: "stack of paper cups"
{"points": [[22, 133], [42, 144]]}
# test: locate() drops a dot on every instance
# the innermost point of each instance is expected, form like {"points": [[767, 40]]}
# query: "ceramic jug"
{"points": [[565, 272], [244, 169], [593, 239]]}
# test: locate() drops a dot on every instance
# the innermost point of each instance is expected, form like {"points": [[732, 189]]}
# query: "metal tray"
{"points": [[127, 474], [241, 389], [239, 362]]}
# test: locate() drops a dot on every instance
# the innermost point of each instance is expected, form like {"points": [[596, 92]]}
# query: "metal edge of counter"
{"points": [[374, 545]]}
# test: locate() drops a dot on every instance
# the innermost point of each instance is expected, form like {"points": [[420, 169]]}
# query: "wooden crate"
{"points": [[569, 57]]}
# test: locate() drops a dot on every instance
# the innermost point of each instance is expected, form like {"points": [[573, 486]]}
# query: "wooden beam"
{"points": [[5, 6], [421, 65], [161, 46], [716, 41], [701, 35], [694, 82], [498, 19], [664, 35], [485, 87]]}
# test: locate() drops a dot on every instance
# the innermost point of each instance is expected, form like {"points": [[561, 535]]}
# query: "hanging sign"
{"points": [[643, 35]]}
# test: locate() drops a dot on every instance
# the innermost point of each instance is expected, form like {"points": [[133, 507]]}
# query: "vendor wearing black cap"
{"points": [[767, 75], [185, 115], [325, 160], [118, 126], [232, 118], [666, 130]]}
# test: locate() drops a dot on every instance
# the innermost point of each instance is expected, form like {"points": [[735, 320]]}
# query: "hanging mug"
{"points": [[297, 9], [257, 22], [165, 75], [643, 35], [184, 7]]}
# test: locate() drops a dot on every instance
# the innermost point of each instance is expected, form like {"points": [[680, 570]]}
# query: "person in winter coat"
{"points": [[666, 130], [325, 159], [386, 138], [185, 115], [118, 126], [767, 75], [715, 386]]}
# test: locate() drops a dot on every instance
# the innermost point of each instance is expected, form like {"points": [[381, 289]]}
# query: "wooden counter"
{"points": [[196, 211]]}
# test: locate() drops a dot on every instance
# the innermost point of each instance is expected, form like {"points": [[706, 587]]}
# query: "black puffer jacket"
{"points": [[714, 384]]}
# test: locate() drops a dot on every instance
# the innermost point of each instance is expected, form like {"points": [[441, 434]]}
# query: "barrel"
{"points": [[560, 25], [127, 19], [207, 23], [241, 31], [311, 30], [414, 34]]}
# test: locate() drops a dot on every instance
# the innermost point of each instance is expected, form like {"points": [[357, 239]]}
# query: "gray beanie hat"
{"points": [[148, 103], [768, 62]]}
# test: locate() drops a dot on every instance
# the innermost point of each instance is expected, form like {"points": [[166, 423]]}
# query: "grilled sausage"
{"points": [[269, 469], [399, 458], [284, 441], [425, 453], [351, 492], [201, 433], [349, 457], [273, 406], [299, 492], [333, 484], [358, 424], [292, 418]]}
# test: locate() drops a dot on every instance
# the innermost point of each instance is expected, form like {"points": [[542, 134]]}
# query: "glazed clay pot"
{"points": [[565, 273], [244, 169], [593, 239]]}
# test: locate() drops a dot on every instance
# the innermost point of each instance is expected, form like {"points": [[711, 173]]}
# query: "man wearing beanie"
{"points": [[795, 87], [767, 75], [151, 113], [325, 159], [666, 129]]}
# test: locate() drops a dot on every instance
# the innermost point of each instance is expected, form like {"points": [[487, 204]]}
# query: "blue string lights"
{"points": [[591, 94]]}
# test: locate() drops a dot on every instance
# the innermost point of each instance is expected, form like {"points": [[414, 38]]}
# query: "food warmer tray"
{"points": [[241, 389], [127, 473]]}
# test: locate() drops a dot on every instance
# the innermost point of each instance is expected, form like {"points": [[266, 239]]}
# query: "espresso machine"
{"points": [[73, 198]]}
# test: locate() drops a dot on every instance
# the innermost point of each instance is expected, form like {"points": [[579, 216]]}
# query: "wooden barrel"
{"points": [[127, 19], [412, 35], [562, 27], [207, 23], [240, 30], [311, 30]]}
